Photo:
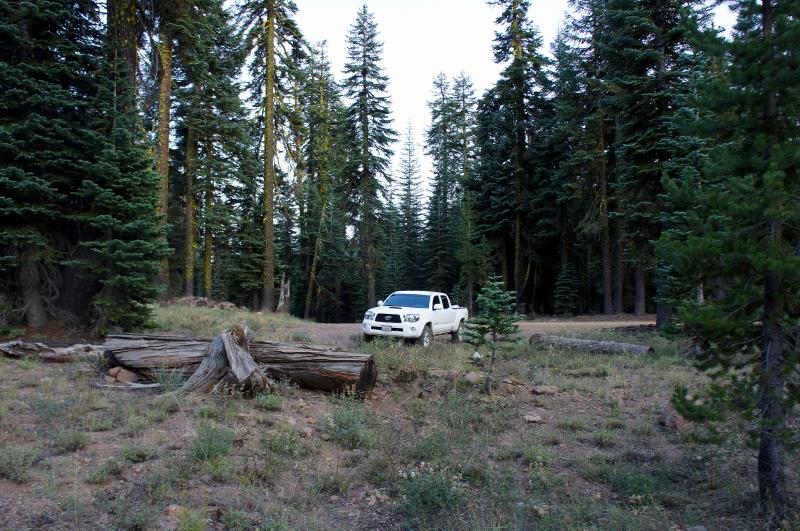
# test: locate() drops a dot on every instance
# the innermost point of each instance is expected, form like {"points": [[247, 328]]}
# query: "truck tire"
{"points": [[368, 338], [455, 337], [426, 337]]}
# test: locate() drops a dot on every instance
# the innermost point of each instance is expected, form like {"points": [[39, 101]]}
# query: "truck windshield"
{"points": [[407, 300]]}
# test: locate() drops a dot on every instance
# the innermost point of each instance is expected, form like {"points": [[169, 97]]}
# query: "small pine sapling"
{"points": [[495, 326]]}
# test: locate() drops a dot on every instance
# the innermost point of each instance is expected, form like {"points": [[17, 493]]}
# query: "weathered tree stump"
{"points": [[228, 365]]}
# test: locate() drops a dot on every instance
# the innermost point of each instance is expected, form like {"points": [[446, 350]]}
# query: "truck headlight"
{"points": [[368, 316], [411, 318]]}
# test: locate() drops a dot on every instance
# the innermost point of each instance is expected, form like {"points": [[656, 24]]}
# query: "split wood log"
{"points": [[323, 367], [22, 349], [609, 347], [228, 365]]}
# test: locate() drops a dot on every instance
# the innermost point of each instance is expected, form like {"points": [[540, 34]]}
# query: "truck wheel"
{"points": [[368, 338], [455, 337], [426, 337]]}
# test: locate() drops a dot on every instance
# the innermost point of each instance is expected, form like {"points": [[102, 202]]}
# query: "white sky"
{"points": [[422, 38]]}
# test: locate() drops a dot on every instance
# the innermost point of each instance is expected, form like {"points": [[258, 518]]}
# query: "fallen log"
{"points": [[323, 367], [609, 347], [47, 354]]}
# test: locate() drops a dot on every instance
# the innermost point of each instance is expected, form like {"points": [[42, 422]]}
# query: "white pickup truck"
{"points": [[415, 316]]}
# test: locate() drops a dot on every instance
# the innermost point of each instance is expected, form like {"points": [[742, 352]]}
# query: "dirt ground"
{"points": [[342, 333], [567, 440]]}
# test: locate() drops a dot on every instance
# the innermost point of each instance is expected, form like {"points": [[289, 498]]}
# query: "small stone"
{"points": [[544, 389], [334, 498], [306, 431], [533, 417], [325, 436], [512, 380], [113, 371], [174, 511], [109, 380], [124, 375], [475, 378]]}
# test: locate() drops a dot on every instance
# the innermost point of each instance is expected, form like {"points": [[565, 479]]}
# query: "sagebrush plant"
{"points": [[348, 425], [212, 440], [427, 490], [495, 325], [16, 461]]}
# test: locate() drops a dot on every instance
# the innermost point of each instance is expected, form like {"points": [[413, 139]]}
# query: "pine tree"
{"points": [[508, 178], [410, 224], [734, 232], [495, 326], [442, 146], [272, 38], [81, 233], [369, 118]]}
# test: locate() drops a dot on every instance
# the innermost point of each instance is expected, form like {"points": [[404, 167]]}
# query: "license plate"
{"points": [[386, 328]]}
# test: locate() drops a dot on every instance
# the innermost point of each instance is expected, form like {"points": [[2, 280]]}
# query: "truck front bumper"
{"points": [[404, 330]]}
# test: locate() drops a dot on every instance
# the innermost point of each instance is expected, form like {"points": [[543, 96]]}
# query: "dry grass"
{"points": [[421, 452]]}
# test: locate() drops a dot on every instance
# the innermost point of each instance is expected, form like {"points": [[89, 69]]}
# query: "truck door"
{"points": [[438, 317], [449, 313]]}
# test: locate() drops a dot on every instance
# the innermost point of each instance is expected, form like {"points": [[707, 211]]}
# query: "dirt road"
{"points": [[342, 333]]}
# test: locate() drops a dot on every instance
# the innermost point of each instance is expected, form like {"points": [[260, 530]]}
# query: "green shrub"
{"points": [[269, 402], [426, 490], [170, 379], [97, 423], [332, 483], [71, 441], [348, 425], [136, 425], [207, 411], [16, 461], [167, 403], [605, 438], [284, 442], [101, 474], [192, 521], [212, 440], [137, 453], [220, 468], [160, 482]]}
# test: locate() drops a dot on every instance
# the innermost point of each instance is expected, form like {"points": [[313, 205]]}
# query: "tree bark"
{"points": [[208, 237], [605, 238], [771, 402], [31, 286], [640, 288], [162, 165], [121, 22], [188, 257], [268, 273], [619, 268]]}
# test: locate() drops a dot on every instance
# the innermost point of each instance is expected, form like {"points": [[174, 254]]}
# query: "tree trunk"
{"points": [[619, 268], [208, 237], [312, 275], [268, 273], [312, 366], [188, 257], [772, 406], [162, 165], [31, 286], [605, 239], [121, 22], [640, 287]]}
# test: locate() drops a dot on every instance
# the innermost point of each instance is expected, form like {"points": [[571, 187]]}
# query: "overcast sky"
{"points": [[422, 38]]}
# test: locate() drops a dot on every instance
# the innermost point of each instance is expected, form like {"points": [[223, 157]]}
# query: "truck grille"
{"points": [[387, 318]]}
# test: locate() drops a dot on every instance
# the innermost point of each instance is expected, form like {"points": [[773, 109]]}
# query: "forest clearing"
{"points": [[569, 439], [582, 216]]}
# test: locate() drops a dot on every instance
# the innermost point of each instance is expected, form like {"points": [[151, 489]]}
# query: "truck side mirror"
{"points": [[437, 306], [380, 303]]}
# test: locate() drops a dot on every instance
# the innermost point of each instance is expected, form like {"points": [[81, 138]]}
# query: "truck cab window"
{"points": [[445, 302], [435, 302]]}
